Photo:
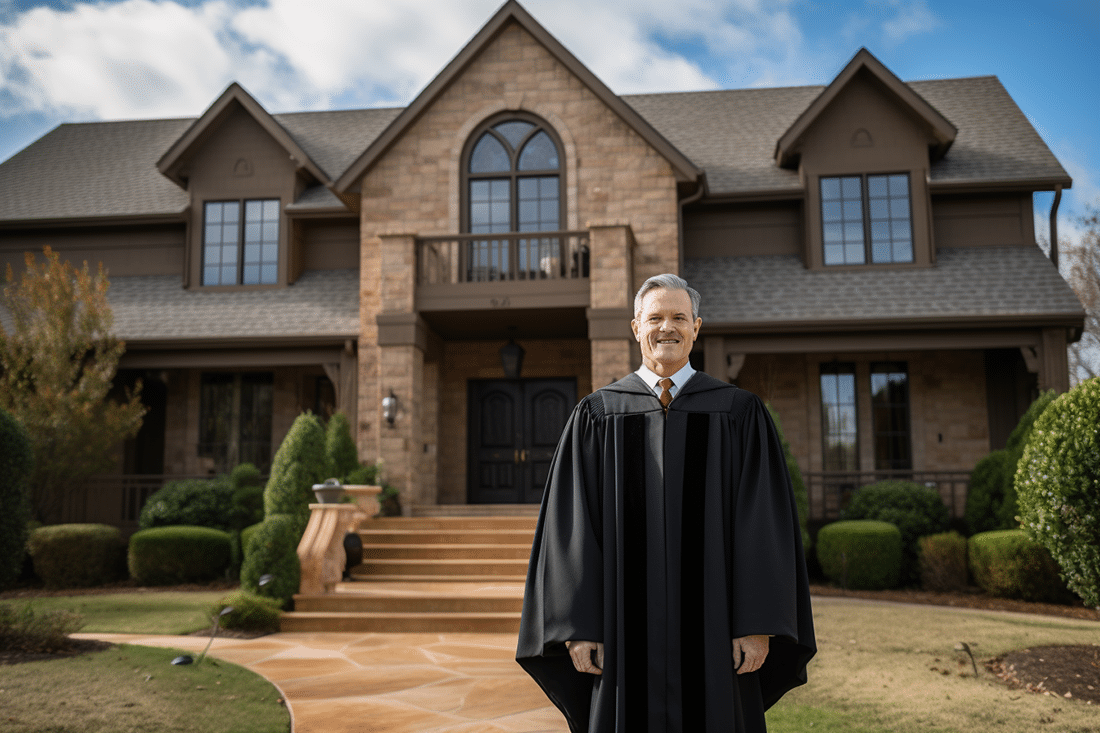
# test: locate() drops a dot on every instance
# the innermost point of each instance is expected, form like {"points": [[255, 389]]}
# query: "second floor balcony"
{"points": [[513, 270]]}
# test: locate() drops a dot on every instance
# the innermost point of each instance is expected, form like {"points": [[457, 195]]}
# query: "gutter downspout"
{"points": [[680, 222], [1054, 225]]}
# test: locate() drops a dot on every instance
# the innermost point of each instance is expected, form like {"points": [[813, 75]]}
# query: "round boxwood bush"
{"points": [[190, 502], [914, 509], [1058, 482], [250, 612], [16, 462], [943, 563], [272, 549], [1008, 564], [77, 555], [184, 554], [861, 554]]}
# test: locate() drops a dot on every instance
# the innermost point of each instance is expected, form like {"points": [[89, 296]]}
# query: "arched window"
{"points": [[512, 182]]}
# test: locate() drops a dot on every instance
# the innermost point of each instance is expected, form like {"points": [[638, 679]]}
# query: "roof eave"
{"points": [[1068, 319], [512, 11], [175, 217]]}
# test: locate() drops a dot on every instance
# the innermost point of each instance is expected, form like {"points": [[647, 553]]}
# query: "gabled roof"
{"points": [[512, 12], [172, 162], [941, 132]]}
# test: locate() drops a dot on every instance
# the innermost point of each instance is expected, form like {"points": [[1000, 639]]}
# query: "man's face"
{"points": [[665, 330]]}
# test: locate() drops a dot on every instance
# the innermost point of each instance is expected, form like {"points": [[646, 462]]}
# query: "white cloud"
{"points": [[149, 58], [912, 19]]}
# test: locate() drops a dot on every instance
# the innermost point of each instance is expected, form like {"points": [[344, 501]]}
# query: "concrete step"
{"points": [[435, 578], [441, 567], [475, 510], [397, 622], [464, 523], [447, 537], [466, 551], [359, 603]]}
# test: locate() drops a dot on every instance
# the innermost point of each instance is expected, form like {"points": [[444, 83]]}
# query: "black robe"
{"points": [[665, 537]]}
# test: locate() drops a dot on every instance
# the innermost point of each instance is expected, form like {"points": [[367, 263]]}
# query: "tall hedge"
{"points": [[272, 549], [341, 454], [298, 465], [1058, 480], [16, 463], [991, 501]]}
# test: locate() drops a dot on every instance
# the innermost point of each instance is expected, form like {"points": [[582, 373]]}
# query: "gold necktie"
{"points": [[666, 396]]}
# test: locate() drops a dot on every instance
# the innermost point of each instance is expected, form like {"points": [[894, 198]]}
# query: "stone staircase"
{"points": [[429, 574]]}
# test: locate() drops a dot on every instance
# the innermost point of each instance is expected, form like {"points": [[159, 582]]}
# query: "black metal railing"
{"points": [[115, 499], [464, 258], [830, 491]]}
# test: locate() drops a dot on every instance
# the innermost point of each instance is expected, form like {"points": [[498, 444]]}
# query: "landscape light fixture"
{"points": [[186, 658], [389, 408]]}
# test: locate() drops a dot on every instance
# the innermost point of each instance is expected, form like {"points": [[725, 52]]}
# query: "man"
{"points": [[667, 588]]}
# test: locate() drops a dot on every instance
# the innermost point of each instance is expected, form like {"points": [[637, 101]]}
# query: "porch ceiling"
{"points": [[502, 323]]}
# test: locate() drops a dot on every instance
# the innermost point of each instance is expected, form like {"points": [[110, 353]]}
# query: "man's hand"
{"points": [[749, 653], [581, 652]]}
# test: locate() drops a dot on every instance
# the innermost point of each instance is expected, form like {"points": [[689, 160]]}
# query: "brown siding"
{"points": [[124, 251], [976, 221], [330, 245], [746, 230]]}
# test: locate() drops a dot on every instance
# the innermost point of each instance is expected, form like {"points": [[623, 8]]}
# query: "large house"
{"points": [[865, 251]]}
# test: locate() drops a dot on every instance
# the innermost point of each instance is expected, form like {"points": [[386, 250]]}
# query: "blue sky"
{"points": [[71, 61]]}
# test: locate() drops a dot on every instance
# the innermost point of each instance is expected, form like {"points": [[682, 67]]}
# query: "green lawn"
{"points": [[142, 612], [133, 689], [874, 673]]}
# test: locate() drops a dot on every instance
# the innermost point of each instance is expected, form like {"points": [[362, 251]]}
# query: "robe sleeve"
{"points": [[563, 597], [770, 587]]}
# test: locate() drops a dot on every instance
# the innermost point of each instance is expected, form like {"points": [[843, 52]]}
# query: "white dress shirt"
{"points": [[679, 379]]}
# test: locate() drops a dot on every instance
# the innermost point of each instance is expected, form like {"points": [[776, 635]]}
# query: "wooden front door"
{"points": [[514, 426]]}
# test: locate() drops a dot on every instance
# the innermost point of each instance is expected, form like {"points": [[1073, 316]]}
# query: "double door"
{"points": [[514, 426]]}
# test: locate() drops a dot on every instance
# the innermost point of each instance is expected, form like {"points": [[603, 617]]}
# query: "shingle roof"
{"points": [[965, 282], [109, 168], [93, 170], [732, 134], [322, 303]]}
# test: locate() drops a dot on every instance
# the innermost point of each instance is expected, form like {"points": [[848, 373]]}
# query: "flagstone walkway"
{"points": [[387, 683]]}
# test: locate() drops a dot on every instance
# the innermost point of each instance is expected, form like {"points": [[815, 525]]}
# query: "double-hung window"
{"points": [[240, 242], [866, 219]]}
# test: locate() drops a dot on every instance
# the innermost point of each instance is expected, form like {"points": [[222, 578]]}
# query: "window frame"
{"points": [[865, 205], [235, 385], [514, 175], [242, 222], [887, 433], [839, 368]]}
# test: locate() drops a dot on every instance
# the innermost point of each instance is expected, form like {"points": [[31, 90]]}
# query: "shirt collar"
{"points": [[679, 379]]}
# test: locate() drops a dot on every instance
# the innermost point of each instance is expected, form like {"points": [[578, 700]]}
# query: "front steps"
{"points": [[428, 574]]}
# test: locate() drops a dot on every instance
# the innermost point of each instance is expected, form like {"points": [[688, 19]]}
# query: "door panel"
{"points": [[514, 426]]}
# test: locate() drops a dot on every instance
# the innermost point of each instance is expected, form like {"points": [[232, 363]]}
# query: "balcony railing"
{"points": [[830, 491], [469, 258]]}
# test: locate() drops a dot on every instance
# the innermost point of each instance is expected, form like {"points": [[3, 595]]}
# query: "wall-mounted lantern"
{"points": [[511, 359], [389, 408]]}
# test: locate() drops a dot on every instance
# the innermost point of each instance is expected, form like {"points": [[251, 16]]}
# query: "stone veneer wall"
{"points": [[949, 420], [466, 360], [611, 176]]}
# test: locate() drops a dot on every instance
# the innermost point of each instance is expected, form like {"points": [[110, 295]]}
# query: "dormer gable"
{"points": [[175, 163], [685, 171], [864, 69]]}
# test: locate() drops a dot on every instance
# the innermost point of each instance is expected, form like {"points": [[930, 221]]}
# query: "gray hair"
{"points": [[669, 282]]}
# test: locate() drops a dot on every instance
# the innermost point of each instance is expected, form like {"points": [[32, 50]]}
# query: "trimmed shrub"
{"points": [[943, 562], [272, 548], [77, 555], [914, 509], [27, 631], [341, 455], [247, 533], [245, 475], [861, 554], [16, 462], [363, 475], [183, 554], [1058, 479], [191, 502], [298, 465], [986, 495], [250, 612], [1008, 564], [801, 498]]}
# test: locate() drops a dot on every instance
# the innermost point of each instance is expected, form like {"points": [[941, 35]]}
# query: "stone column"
{"points": [[611, 274], [1054, 361]]}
